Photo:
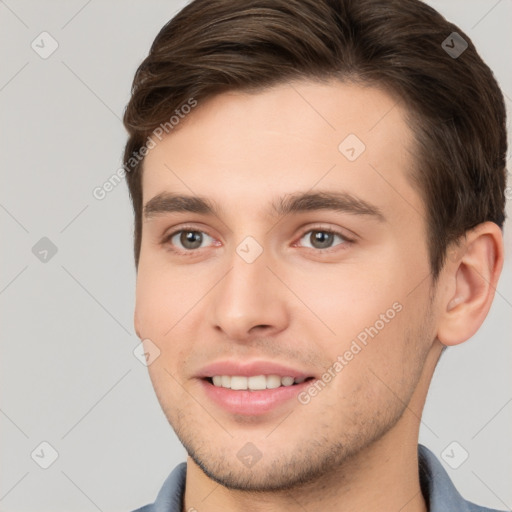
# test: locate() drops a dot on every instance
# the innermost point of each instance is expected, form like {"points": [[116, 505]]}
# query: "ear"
{"points": [[471, 276]]}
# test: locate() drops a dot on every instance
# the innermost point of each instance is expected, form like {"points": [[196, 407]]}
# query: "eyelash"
{"points": [[192, 252]]}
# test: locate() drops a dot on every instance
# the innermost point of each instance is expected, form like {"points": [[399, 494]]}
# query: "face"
{"points": [[328, 291]]}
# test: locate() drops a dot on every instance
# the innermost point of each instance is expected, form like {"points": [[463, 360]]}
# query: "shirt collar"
{"points": [[437, 487]]}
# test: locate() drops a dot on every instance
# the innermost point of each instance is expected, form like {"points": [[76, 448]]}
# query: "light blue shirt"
{"points": [[438, 490]]}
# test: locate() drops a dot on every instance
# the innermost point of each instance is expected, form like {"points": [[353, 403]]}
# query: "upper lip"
{"points": [[249, 368]]}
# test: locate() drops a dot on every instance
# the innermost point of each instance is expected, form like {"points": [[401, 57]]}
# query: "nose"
{"points": [[249, 300]]}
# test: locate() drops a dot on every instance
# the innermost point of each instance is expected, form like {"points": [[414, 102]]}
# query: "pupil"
{"points": [[324, 239], [191, 239]]}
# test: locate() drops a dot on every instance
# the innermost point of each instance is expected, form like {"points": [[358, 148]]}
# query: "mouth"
{"points": [[253, 387], [255, 395]]}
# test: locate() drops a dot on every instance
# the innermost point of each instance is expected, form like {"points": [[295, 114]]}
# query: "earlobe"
{"points": [[472, 279]]}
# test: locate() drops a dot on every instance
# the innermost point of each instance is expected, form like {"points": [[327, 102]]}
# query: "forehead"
{"points": [[241, 148]]}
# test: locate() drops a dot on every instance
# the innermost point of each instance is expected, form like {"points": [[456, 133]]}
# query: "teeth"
{"points": [[257, 382], [273, 381], [238, 382], [287, 381], [254, 383]]}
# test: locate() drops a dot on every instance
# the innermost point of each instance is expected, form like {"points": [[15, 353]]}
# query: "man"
{"points": [[318, 190]]}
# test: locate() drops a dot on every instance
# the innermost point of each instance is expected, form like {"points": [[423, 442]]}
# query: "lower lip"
{"points": [[252, 403]]}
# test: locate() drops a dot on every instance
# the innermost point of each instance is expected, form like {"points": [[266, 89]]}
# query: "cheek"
{"points": [[376, 318], [161, 296], [151, 310], [350, 298], [376, 370], [161, 306]]}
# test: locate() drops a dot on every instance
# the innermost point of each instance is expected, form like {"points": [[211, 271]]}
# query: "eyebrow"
{"points": [[167, 202]]}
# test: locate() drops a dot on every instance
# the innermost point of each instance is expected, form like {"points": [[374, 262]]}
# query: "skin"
{"points": [[354, 445]]}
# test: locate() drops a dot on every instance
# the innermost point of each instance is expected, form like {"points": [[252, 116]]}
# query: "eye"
{"points": [[189, 239], [323, 238]]}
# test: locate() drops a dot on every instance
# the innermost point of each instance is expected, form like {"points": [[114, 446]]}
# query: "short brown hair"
{"points": [[456, 109]]}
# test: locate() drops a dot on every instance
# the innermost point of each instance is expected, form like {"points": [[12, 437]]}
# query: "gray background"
{"points": [[68, 373]]}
